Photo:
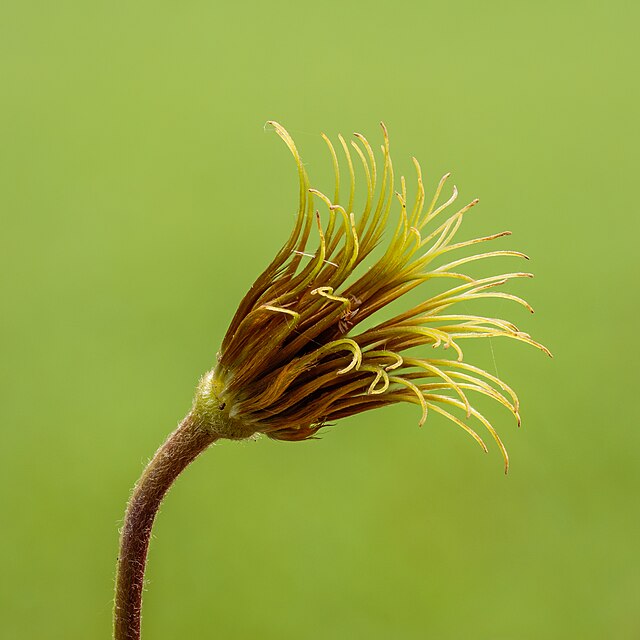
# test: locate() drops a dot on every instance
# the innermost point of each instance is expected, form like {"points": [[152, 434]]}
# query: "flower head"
{"points": [[295, 357]]}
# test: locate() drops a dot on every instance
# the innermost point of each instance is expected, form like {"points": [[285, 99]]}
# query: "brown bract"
{"points": [[293, 358]]}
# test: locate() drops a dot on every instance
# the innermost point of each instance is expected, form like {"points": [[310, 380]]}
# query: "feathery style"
{"points": [[293, 358]]}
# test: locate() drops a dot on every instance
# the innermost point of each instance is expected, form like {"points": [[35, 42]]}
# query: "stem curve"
{"points": [[188, 441]]}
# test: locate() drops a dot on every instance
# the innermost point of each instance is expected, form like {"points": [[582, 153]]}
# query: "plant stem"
{"points": [[181, 448]]}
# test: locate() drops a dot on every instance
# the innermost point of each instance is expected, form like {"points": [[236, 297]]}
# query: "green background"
{"points": [[139, 196]]}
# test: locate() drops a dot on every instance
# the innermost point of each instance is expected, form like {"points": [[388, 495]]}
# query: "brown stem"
{"points": [[180, 449]]}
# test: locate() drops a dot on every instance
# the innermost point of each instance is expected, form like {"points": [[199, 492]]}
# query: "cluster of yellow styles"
{"points": [[293, 359]]}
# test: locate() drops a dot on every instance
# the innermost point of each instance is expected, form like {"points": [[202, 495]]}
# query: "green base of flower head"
{"points": [[211, 411]]}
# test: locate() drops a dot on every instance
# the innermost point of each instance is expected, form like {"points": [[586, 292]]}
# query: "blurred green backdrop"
{"points": [[139, 196]]}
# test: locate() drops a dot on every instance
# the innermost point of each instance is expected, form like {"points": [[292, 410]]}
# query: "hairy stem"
{"points": [[181, 448]]}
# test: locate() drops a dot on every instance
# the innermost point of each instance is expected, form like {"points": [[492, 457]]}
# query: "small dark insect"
{"points": [[346, 321]]}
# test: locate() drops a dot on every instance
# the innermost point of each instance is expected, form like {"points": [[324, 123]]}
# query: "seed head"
{"points": [[294, 358]]}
